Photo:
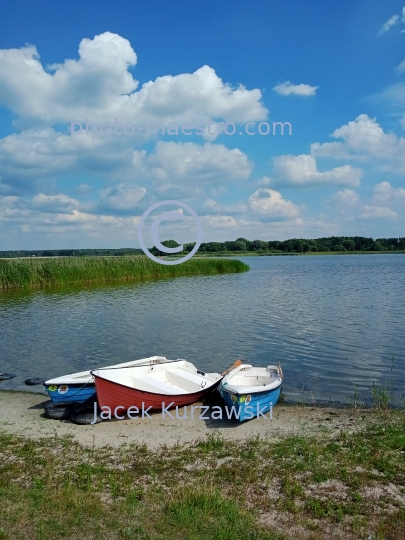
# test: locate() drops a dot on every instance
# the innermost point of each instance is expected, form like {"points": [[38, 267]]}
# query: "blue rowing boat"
{"points": [[80, 387], [249, 392]]}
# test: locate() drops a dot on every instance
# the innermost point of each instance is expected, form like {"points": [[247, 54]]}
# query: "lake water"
{"points": [[332, 322]]}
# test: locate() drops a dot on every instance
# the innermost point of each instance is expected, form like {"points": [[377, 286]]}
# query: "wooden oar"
{"points": [[236, 364]]}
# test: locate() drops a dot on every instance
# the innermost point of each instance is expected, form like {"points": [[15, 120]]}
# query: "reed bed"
{"points": [[31, 273]]}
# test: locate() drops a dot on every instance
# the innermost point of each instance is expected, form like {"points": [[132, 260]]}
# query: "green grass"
{"points": [[205, 513], [30, 273], [301, 486]]}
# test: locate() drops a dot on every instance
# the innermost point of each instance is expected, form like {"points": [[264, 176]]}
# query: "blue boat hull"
{"points": [[74, 393], [249, 406], [80, 387]]}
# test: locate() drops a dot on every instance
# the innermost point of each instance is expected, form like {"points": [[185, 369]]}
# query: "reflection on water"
{"points": [[332, 321]]}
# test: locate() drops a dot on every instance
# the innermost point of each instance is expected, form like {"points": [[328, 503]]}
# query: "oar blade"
{"points": [[236, 364]]}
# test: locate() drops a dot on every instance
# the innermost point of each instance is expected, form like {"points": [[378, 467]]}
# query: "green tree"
{"points": [[240, 245], [167, 243], [349, 244], [257, 245]]}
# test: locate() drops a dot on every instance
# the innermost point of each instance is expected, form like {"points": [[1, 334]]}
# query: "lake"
{"points": [[332, 321]]}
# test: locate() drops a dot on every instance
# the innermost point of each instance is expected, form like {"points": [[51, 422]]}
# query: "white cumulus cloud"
{"points": [[346, 197], [210, 206], [99, 86], [365, 140], [384, 192], [192, 163], [59, 203], [401, 67], [44, 153], [377, 212], [302, 171], [287, 89], [122, 197], [392, 21], [270, 203], [388, 24]]}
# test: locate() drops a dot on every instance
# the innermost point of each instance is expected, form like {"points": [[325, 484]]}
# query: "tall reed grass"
{"points": [[27, 273]]}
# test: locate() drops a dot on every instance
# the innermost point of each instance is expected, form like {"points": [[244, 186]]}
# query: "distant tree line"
{"points": [[295, 245], [71, 253]]}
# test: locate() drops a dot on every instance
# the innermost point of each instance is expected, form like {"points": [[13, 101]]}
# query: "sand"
{"points": [[22, 413]]}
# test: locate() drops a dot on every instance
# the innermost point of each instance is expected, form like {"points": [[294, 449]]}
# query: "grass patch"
{"points": [[30, 273], [204, 513], [299, 487]]}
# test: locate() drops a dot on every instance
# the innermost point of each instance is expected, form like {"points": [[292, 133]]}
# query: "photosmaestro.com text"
{"points": [[172, 129]]}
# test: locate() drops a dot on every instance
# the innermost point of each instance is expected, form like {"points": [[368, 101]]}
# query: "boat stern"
{"points": [[244, 407], [75, 393]]}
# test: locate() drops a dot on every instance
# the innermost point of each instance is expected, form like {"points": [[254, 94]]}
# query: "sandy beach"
{"points": [[22, 413], [338, 474]]}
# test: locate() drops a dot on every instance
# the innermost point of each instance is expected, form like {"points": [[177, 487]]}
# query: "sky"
{"points": [[311, 98]]}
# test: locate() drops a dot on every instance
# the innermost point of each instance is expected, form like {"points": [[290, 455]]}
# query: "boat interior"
{"points": [[85, 376], [254, 376], [172, 378]]}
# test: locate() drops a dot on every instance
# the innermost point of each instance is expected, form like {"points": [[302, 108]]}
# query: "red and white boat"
{"points": [[177, 382]]}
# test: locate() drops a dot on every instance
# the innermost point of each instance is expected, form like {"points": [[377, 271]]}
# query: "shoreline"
{"points": [[23, 415], [306, 253]]}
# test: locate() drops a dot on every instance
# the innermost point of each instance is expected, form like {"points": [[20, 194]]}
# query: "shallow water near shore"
{"points": [[332, 321]]}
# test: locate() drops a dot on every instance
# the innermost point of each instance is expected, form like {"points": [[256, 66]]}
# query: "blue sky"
{"points": [[337, 75]]}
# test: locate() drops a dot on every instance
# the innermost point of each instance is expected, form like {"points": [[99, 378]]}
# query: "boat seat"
{"points": [[183, 378], [149, 384]]}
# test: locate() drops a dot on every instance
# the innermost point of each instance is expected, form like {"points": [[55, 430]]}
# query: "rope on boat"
{"points": [[150, 363]]}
